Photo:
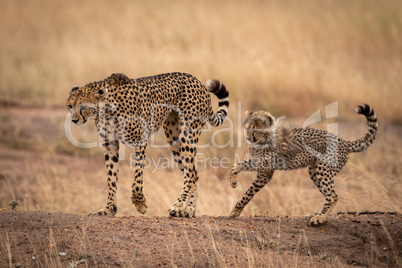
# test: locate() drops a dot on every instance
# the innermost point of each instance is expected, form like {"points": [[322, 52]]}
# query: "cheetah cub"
{"points": [[274, 146]]}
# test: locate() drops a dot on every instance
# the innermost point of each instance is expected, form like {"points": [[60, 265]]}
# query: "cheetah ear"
{"points": [[249, 113], [118, 79], [101, 93], [74, 88]]}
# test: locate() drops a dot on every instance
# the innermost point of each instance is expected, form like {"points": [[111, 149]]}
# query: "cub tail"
{"points": [[219, 90], [363, 143]]}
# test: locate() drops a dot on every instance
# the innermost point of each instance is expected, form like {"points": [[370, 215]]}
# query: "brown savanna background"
{"points": [[292, 58]]}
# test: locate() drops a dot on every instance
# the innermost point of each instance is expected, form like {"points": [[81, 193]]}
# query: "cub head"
{"points": [[83, 102], [259, 127]]}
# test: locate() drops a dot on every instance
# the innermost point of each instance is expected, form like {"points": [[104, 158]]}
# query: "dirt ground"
{"points": [[37, 239]]}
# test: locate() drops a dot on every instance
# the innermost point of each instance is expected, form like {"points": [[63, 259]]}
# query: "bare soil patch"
{"points": [[54, 239]]}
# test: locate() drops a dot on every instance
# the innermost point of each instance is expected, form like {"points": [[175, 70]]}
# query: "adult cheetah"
{"points": [[128, 111], [274, 146]]}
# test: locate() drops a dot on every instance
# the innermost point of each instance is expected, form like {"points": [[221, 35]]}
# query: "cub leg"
{"points": [[246, 165], [263, 177], [322, 176]]}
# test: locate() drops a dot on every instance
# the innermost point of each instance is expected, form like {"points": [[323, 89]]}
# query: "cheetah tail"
{"points": [[363, 143], [219, 89]]}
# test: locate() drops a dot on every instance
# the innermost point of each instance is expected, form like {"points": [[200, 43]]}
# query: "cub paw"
{"points": [[233, 180], [317, 220]]}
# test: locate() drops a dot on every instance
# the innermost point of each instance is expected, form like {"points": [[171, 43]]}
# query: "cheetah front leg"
{"points": [[111, 150], [246, 165], [138, 196], [263, 177], [192, 203]]}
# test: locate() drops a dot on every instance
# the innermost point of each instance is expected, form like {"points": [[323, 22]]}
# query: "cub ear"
{"points": [[101, 93], [74, 88], [271, 120], [249, 113]]}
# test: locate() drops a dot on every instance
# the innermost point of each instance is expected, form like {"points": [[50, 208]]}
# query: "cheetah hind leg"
{"points": [[320, 218], [172, 132], [324, 182], [186, 207]]}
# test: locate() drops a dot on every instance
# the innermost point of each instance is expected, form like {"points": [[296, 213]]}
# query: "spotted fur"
{"points": [[128, 111], [274, 146]]}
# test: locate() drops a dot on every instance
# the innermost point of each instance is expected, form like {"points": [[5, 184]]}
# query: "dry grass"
{"points": [[290, 54], [289, 57]]}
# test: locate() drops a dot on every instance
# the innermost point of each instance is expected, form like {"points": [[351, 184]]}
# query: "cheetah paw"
{"points": [[105, 212], [190, 212], [317, 220], [141, 206], [235, 212], [180, 211]]}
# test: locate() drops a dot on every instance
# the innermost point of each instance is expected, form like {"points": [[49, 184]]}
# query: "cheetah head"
{"points": [[259, 127], [83, 103]]}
